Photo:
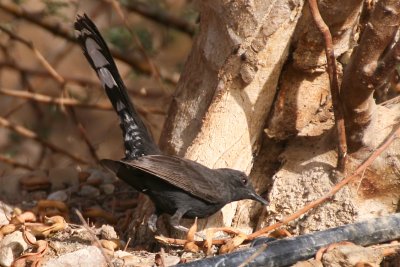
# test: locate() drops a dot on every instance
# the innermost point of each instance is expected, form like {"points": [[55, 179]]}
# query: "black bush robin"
{"points": [[177, 186]]}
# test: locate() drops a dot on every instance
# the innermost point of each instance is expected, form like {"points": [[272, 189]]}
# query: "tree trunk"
{"points": [[228, 86]]}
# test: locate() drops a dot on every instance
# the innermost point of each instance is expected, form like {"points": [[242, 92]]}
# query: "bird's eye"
{"points": [[244, 181]]}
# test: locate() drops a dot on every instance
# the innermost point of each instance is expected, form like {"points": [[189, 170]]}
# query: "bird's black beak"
{"points": [[258, 198]]}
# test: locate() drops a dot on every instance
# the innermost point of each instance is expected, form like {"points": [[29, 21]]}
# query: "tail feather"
{"points": [[137, 140]]}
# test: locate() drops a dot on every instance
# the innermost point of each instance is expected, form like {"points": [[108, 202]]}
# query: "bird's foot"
{"points": [[152, 223], [181, 228]]}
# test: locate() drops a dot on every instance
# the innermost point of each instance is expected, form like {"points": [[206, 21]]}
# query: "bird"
{"points": [[177, 186]]}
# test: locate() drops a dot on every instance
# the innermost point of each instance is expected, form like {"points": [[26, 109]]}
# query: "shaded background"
{"points": [[164, 30]]}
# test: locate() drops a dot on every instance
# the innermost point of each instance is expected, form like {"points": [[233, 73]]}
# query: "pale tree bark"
{"points": [[228, 85]]}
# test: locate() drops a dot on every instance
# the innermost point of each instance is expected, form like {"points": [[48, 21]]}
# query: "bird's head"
{"points": [[243, 188]]}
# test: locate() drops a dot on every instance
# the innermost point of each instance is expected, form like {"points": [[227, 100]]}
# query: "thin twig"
{"points": [[38, 72], [15, 163], [53, 100], [334, 190], [70, 101], [94, 238], [38, 55], [21, 130], [334, 85], [160, 16]]}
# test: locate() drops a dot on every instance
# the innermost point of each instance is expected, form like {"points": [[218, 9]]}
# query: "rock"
{"points": [[350, 255], [89, 191], [89, 256], [95, 174], [309, 263], [60, 195], [4, 212], [108, 232], [108, 189], [11, 247], [136, 259]]}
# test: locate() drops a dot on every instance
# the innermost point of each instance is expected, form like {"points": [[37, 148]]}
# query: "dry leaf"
{"points": [[111, 244], [100, 213], [27, 216], [233, 243], [190, 245]]}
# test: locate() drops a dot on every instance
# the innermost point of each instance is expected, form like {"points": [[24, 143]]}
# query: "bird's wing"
{"points": [[190, 176]]}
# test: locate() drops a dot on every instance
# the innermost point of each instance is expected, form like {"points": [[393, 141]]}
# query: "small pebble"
{"points": [[10, 245], [108, 189], [96, 174], [89, 191], [108, 232], [60, 195]]}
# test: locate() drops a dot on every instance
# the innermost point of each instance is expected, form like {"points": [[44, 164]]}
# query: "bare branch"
{"points": [[15, 163], [52, 100], [44, 73], [334, 84]]}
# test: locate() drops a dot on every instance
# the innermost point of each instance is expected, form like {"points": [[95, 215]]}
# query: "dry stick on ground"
{"points": [[94, 238], [15, 163], [334, 85], [61, 81], [59, 30], [160, 16], [21, 130]]}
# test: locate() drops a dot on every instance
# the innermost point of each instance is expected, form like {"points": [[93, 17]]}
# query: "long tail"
{"points": [[137, 140]]}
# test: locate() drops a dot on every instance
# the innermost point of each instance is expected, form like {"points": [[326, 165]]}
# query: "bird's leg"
{"points": [[176, 218], [152, 222]]}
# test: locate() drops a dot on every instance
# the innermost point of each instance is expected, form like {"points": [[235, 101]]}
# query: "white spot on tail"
{"points": [[133, 127], [120, 106], [106, 78], [94, 52], [128, 137]]}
